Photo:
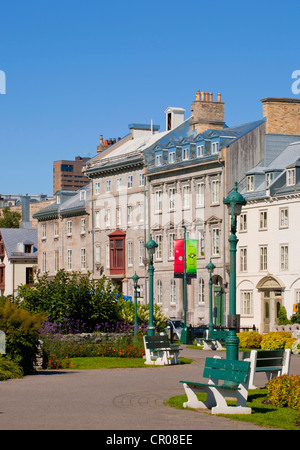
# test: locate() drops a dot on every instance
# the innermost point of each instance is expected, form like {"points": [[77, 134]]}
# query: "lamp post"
{"points": [[151, 246], [234, 201], [210, 267], [135, 284], [184, 332]]}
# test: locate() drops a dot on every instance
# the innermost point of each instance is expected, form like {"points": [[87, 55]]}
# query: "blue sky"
{"points": [[78, 69]]}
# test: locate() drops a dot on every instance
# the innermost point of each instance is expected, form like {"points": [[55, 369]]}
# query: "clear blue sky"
{"points": [[77, 69]]}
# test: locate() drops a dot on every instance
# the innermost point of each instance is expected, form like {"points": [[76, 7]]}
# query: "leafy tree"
{"points": [[9, 219], [72, 295]]}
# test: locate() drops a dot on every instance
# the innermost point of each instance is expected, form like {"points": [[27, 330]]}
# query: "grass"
{"points": [[264, 415], [106, 362]]}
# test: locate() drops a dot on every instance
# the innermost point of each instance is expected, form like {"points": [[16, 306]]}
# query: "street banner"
{"points": [[178, 258], [191, 258]]}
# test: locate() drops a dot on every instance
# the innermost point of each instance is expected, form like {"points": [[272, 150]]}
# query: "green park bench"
{"points": [[234, 374], [159, 351], [214, 341], [272, 362]]}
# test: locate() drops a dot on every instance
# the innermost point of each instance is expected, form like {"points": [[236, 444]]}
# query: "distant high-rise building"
{"points": [[67, 175]]}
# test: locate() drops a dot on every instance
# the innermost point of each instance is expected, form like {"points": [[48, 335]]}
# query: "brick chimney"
{"points": [[206, 112], [282, 115]]}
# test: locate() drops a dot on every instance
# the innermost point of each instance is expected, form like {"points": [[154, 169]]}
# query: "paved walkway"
{"points": [[110, 399]]}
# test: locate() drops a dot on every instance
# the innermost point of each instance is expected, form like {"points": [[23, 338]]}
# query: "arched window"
{"points": [[159, 292], [201, 291]]}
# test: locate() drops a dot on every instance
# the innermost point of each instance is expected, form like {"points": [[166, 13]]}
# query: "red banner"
{"points": [[178, 258]]}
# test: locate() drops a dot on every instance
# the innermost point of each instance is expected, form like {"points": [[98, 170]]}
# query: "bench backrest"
{"points": [[227, 370], [218, 334], [157, 341], [267, 358]]}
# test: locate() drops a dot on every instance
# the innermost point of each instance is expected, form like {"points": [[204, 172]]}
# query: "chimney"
{"points": [[207, 113], [174, 117], [282, 115]]}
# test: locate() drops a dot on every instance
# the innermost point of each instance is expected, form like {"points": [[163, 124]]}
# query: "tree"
{"points": [[9, 219]]}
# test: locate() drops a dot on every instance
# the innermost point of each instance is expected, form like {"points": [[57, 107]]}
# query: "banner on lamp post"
{"points": [[191, 258]]}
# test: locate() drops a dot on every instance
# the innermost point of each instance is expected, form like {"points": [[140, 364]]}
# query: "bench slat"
{"points": [[194, 383], [227, 370]]}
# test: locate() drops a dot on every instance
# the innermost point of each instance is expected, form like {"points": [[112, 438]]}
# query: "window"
{"points": [[200, 151], [243, 222], [158, 240], [201, 291], [82, 195], [29, 275], [171, 245], [28, 248], [117, 257], [297, 296], [172, 198], [263, 253], [159, 291], [173, 291], [56, 260], [83, 259], [171, 157], [214, 148], [56, 228], [97, 255], [97, 219], [243, 260], [129, 181], [215, 192], [69, 227], [82, 222], [118, 216], [186, 196], [107, 217], [284, 257], [263, 220], [201, 242], [129, 214], [69, 259], [250, 183], [108, 185], [141, 253], [142, 179], [283, 218], [269, 178], [158, 201], [141, 212], [216, 242], [290, 177], [119, 184], [97, 187], [107, 259], [185, 154], [43, 231], [129, 253], [200, 194], [246, 303], [158, 159]]}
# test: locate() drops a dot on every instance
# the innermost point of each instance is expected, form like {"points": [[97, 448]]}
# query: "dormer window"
{"points": [[290, 177], [171, 157], [200, 151], [185, 154], [250, 183], [58, 199], [158, 159], [269, 178], [214, 148], [82, 195]]}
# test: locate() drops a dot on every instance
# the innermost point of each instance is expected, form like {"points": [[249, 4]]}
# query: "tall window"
{"points": [[290, 177], [158, 201], [97, 254], [107, 256], [107, 217], [129, 214], [56, 260], [284, 257], [82, 223], [56, 228], [118, 216], [171, 157], [214, 148], [172, 198], [117, 256], [129, 253], [201, 291], [44, 265], [158, 239], [243, 259], [185, 154], [97, 219], [186, 196], [69, 259], [215, 191], [243, 222], [141, 212], [141, 253], [263, 220], [246, 303], [142, 179], [69, 227], [283, 218], [171, 245], [119, 184], [108, 185], [129, 181], [44, 230], [201, 242], [97, 187], [159, 291], [83, 259], [173, 291], [250, 183], [216, 242], [200, 194], [200, 151], [158, 159], [263, 252]]}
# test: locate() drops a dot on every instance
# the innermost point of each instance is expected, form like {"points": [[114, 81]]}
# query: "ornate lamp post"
{"points": [[234, 201], [135, 284], [151, 246], [210, 267]]}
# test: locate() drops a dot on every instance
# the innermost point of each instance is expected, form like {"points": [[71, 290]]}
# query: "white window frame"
{"points": [[141, 252], [201, 298], [243, 259], [159, 292], [56, 229], [97, 219], [97, 254], [291, 176], [263, 220], [216, 241], [119, 183], [283, 217], [142, 179], [214, 148], [263, 257], [200, 194], [129, 181], [215, 192], [243, 222], [83, 258], [173, 292], [186, 196], [250, 183], [158, 201], [82, 225], [171, 238], [200, 151], [158, 160], [108, 185], [130, 253], [284, 257], [69, 259], [107, 218], [69, 227], [118, 216], [56, 260], [172, 157], [185, 154], [158, 251], [129, 213], [97, 187], [246, 302]]}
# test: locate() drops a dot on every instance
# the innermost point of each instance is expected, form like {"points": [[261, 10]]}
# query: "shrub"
{"points": [[9, 368], [282, 316], [21, 333], [249, 339], [275, 340], [284, 391], [126, 313]]}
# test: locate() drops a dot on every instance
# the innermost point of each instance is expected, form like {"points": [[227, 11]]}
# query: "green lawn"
{"points": [[264, 415], [112, 363]]}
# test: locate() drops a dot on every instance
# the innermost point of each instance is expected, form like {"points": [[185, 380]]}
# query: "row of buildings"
{"points": [[158, 182]]}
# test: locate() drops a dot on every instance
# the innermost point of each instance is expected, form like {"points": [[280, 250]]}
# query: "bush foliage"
{"points": [[249, 339], [9, 369], [276, 340], [285, 391]]}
